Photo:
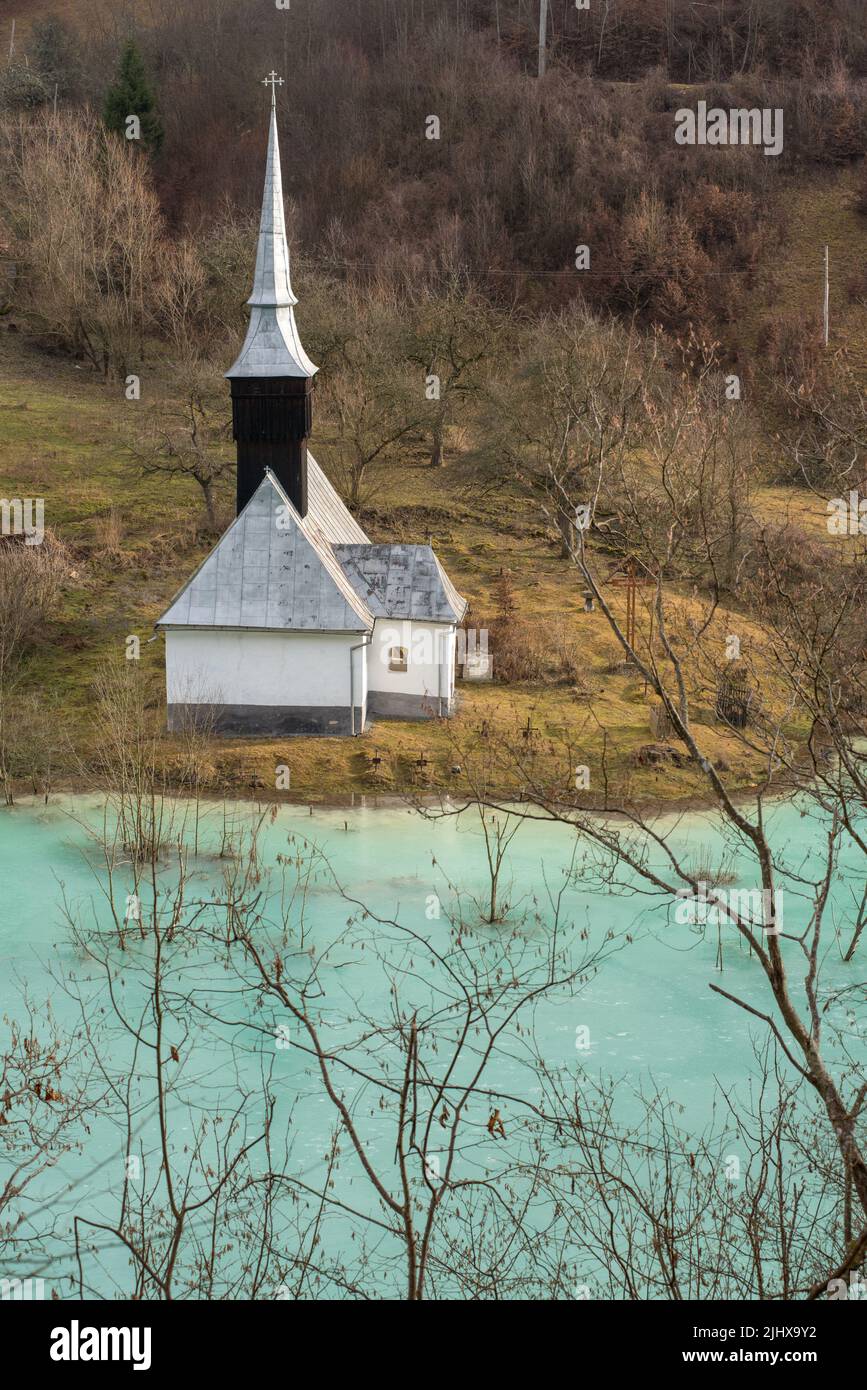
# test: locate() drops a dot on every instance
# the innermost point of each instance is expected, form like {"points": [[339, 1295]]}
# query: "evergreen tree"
{"points": [[132, 95]]}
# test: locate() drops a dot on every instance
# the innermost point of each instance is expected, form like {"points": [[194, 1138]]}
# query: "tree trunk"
{"points": [[567, 535], [437, 458], [207, 487]]}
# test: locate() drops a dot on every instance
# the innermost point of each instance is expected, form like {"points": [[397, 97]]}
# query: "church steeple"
{"points": [[272, 378]]}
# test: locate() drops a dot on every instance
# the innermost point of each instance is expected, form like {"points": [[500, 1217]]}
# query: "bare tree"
{"points": [[90, 233], [31, 577], [454, 341], [373, 404], [187, 438], [48, 1095], [676, 525]]}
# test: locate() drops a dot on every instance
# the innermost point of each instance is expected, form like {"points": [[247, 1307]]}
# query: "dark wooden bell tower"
{"points": [[271, 422], [272, 380]]}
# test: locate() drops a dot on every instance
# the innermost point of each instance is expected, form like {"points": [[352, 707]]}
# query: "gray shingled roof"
{"points": [[272, 346], [271, 570], [402, 581]]}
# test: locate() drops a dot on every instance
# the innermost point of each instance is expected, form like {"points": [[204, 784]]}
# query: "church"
{"points": [[296, 623]]}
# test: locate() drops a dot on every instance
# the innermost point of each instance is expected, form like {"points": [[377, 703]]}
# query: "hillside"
{"points": [[407, 248], [134, 541]]}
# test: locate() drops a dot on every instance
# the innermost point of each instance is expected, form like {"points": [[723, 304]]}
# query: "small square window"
{"points": [[397, 658]]}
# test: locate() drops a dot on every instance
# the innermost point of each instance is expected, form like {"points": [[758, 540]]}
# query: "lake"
{"points": [[643, 1013]]}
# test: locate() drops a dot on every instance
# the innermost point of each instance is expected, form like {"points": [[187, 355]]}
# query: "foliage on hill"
{"points": [[475, 384], [523, 171]]}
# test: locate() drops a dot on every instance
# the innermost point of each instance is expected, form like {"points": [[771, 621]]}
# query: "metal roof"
{"points": [[272, 346], [271, 570], [327, 511], [402, 581], [275, 570]]}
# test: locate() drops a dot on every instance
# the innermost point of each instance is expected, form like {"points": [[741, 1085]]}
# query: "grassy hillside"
{"points": [[66, 436], [816, 213]]}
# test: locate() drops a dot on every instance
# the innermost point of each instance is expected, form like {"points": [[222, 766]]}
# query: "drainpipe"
{"points": [[352, 650], [438, 631], [440, 665], [454, 669]]}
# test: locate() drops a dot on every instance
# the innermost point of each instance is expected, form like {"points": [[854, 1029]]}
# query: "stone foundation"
{"points": [[268, 721]]}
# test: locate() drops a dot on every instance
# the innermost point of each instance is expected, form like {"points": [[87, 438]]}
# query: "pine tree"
{"points": [[132, 95]]}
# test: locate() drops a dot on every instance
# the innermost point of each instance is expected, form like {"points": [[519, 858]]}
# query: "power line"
{"points": [[531, 273]]}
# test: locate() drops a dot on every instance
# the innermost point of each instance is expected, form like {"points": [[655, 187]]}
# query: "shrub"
{"points": [[21, 88], [30, 581]]}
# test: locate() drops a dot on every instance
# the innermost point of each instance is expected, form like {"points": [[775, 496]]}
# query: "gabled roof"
{"points": [[327, 510], [272, 571], [402, 581], [272, 346]]}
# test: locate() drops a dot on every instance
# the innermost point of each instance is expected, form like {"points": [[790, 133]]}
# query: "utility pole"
{"points": [[827, 297], [543, 34]]}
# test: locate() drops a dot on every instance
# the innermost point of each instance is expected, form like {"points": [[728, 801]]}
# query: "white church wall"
{"points": [[267, 682], [429, 674]]}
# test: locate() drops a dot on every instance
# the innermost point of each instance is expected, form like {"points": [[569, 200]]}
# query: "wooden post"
{"points": [[543, 34], [827, 297], [12, 42], [650, 645], [630, 604]]}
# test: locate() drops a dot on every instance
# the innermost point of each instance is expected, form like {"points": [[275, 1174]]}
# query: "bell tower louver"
{"points": [[272, 379]]}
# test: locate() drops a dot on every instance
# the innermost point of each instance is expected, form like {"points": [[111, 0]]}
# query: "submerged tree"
{"points": [[680, 511]]}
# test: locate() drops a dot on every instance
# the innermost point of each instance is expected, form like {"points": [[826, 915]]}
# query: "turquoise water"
{"points": [[644, 996]]}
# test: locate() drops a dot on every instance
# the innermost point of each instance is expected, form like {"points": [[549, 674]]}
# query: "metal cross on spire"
{"points": [[272, 81]]}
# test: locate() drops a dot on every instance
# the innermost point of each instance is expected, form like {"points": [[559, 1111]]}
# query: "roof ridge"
{"points": [[320, 544]]}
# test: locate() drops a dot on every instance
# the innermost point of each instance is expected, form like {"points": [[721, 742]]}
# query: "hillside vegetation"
{"points": [[453, 256]]}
